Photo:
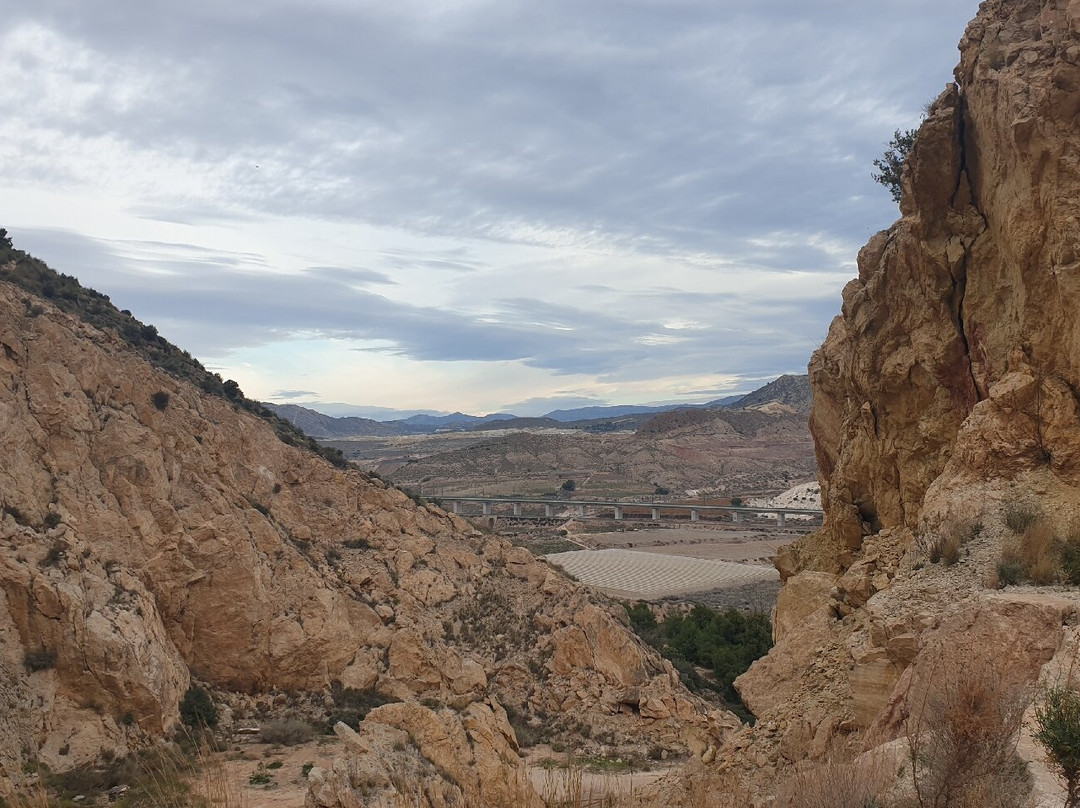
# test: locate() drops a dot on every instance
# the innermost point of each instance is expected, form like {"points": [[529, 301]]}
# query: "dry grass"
{"points": [[163, 778], [1036, 555], [569, 786], [1040, 551], [840, 784]]}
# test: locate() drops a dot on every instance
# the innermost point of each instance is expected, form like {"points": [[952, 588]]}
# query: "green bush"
{"points": [[890, 166], [197, 708], [1057, 722], [160, 399]]}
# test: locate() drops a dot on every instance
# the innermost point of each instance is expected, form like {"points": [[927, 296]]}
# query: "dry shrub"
{"points": [[950, 537], [838, 784], [962, 738], [1019, 518], [286, 731]]}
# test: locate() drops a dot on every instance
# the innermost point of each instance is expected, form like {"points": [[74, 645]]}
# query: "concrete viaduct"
{"points": [[539, 508]]}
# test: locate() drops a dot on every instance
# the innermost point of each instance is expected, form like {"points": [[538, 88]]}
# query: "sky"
{"points": [[466, 205]]}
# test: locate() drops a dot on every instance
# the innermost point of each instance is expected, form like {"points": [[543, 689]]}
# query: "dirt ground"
{"points": [[552, 775], [288, 783]]}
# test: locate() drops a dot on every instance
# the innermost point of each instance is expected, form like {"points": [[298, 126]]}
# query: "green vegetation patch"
{"points": [[726, 642]]}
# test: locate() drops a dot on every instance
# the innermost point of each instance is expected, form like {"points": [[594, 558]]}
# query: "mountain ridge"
{"points": [[788, 390]]}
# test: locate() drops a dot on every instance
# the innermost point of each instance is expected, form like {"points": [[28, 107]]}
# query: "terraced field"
{"points": [[652, 576]]}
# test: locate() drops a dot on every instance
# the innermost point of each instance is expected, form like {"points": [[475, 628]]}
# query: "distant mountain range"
{"points": [[792, 392]]}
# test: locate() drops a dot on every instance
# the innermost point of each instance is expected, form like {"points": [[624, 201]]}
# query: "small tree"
{"points": [[197, 708], [569, 485], [1057, 721], [890, 166]]}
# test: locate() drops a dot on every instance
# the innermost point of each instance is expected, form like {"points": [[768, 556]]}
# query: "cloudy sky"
{"points": [[473, 205]]}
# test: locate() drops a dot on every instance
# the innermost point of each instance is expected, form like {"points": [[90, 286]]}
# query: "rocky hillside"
{"points": [[721, 451], [152, 534], [946, 407], [790, 391]]}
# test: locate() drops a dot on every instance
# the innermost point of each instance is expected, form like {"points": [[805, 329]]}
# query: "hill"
{"points": [[155, 535], [723, 452], [324, 426], [790, 391]]}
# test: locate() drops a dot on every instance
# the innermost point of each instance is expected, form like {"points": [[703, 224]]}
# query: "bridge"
{"points": [[545, 508]]}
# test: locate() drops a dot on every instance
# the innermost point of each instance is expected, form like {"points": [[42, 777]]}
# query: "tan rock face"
{"points": [[946, 389], [956, 351], [142, 545], [427, 758]]}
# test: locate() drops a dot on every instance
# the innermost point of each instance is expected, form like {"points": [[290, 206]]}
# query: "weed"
{"points": [[1009, 573], [351, 705], [1070, 560]]}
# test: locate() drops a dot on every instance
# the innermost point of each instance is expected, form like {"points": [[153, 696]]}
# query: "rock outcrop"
{"points": [[150, 533], [946, 392], [955, 358]]}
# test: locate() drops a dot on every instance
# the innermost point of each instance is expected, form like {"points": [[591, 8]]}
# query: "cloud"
{"points": [[289, 395], [618, 190]]}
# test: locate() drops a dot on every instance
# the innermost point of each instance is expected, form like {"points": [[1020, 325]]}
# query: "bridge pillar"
{"points": [[618, 512], [693, 514], [781, 519], [549, 511], [517, 509], [487, 509], [656, 514], [581, 510], [457, 506], [735, 517]]}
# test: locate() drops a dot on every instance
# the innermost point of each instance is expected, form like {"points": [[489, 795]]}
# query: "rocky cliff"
{"points": [[957, 355], [151, 533], [945, 395]]}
